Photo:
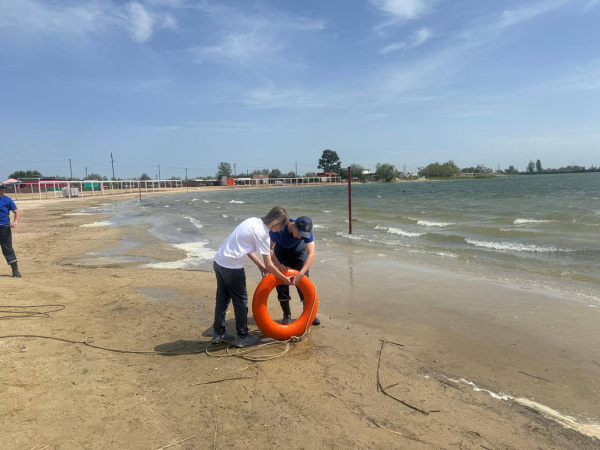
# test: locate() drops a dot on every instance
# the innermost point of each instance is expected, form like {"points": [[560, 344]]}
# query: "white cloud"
{"points": [[247, 38], [421, 36], [392, 48], [36, 17], [141, 23], [240, 48], [592, 4], [402, 9], [515, 16]]}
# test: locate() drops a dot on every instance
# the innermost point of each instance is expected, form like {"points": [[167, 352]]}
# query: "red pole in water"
{"points": [[350, 200]]}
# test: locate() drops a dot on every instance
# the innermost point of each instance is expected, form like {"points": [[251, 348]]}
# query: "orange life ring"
{"points": [[276, 330]]}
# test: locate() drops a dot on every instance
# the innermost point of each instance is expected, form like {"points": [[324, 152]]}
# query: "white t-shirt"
{"points": [[250, 236]]}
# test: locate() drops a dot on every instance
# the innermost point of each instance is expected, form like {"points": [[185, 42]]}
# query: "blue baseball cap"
{"points": [[304, 226]]}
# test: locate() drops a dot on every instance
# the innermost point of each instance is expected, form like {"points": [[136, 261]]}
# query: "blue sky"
{"points": [[268, 84]]}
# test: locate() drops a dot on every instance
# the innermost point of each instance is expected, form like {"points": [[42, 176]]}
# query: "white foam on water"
{"points": [[196, 251], [326, 211], [318, 226], [236, 201], [195, 199], [206, 201], [524, 221], [589, 429], [96, 224], [195, 222], [349, 236], [80, 214], [167, 206], [225, 216], [430, 223], [513, 247], [400, 232]]}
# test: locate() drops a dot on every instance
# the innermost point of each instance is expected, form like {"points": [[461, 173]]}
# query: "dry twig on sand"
{"points": [[451, 385], [224, 379], [380, 387], [178, 442], [534, 376]]}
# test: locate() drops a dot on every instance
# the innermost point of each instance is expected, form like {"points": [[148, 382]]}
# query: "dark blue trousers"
{"points": [[6, 244], [231, 286]]}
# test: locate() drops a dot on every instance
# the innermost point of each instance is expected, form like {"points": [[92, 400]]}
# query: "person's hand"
{"points": [[287, 281], [281, 268], [295, 279], [12, 225], [263, 271]]}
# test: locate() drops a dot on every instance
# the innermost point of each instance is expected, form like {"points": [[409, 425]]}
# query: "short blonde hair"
{"points": [[277, 216]]}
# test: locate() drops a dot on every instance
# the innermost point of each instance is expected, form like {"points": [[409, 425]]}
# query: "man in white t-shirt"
{"points": [[250, 237]]}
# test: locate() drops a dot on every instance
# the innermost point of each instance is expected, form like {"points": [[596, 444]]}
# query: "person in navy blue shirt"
{"points": [[6, 206], [294, 248]]}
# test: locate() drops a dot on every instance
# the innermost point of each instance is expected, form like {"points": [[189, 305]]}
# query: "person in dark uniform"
{"points": [[294, 248], [6, 206]]}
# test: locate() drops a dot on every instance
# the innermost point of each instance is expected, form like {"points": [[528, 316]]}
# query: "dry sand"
{"points": [[321, 394]]}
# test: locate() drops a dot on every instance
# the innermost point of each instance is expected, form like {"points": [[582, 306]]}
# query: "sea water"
{"points": [[539, 230]]}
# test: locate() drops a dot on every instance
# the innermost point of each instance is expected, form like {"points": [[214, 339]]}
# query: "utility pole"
{"points": [[71, 169], [296, 169], [234, 172], [159, 172], [186, 174], [112, 162], [86, 172]]}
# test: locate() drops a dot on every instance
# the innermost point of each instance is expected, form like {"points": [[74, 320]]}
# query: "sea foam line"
{"points": [[589, 429], [398, 231], [195, 222], [237, 201], [196, 251], [513, 247], [523, 221], [429, 223]]}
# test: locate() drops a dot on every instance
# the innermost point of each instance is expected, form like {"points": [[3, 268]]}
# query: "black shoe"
{"points": [[15, 270], [316, 321], [287, 319]]}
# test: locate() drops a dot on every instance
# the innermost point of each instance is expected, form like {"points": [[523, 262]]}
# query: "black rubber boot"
{"points": [[316, 320], [15, 270], [287, 313]]}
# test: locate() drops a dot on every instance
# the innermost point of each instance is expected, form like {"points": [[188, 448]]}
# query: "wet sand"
{"points": [[321, 394]]}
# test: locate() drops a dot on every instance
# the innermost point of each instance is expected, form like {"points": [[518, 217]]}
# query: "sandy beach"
{"points": [[473, 372]]}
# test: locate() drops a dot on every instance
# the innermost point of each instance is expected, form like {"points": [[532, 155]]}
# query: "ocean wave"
{"points": [[326, 211], [96, 224], [196, 251], [195, 199], [398, 231], [195, 222], [512, 246], [524, 221], [206, 201], [225, 216], [429, 223], [237, 201]]}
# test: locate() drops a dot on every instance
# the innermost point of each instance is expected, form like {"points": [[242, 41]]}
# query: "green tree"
{"points": [[538, 166], [145, 177], [330, 162], [94, 176], [530, 167], [511, 170], [437, 170], [310, 174], [290, 174], [356, 170], [385, 172], [275, 173], [25, 174], [223, 170]]}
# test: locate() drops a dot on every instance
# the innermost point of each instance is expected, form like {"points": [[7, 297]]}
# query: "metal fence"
{"points": [[92, 188]]}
